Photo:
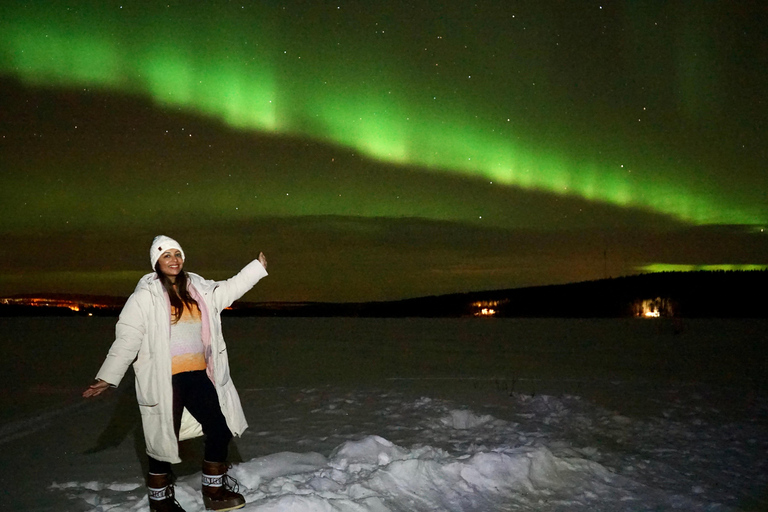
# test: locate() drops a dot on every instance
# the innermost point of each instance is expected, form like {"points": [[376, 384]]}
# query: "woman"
{"points": [[170, 329]]}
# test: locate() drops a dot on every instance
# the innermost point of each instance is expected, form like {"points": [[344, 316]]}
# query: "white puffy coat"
{"points": [[143, 338]]}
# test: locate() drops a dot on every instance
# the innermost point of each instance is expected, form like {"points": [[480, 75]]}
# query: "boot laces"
{"points": [[230, 483], [170, 492]]}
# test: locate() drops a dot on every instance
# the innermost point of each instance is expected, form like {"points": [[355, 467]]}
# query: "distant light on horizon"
{"points": [[487, 307], [655, 308]]}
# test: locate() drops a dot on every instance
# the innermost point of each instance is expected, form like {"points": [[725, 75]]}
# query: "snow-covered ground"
{"points": [[415, 415]]}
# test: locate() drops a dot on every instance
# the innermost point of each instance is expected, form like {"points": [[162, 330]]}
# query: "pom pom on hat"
{"points": [[160, 244]]}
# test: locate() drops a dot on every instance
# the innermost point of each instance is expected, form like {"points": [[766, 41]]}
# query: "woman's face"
{"points": [[171, 263]]}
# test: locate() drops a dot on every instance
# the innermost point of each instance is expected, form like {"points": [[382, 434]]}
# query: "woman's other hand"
{"points": [[96, 389], [263, 260]]}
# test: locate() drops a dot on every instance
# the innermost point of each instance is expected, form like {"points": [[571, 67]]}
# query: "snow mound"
{"points": [[370, 451], [373, 474], [250, 474], [549, 454], [464, 419]]}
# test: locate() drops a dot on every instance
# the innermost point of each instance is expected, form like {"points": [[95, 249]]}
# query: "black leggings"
{"points": [[195, 391]]}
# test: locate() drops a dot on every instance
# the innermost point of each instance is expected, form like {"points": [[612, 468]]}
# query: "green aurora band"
{"points": [[672, 267], [253, 76]]}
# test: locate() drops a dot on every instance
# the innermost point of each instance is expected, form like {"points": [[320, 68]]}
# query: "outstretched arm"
{"points": [[129, 333], [235, 287], [96, 388]]}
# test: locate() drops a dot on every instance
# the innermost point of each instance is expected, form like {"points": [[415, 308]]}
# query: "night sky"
{"points": [[381, 150]]}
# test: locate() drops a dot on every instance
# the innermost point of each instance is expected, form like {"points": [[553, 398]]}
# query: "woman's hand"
{"points": [[96, 388], [263, 260]]}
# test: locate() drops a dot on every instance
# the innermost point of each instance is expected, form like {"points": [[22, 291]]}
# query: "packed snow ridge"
{"points": [[469, 462]]}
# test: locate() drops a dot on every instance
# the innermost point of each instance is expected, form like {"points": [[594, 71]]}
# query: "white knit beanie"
{"points": [[160, 244]]}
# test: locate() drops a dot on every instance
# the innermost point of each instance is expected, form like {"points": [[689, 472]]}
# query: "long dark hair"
{"points": [[179, 299]]}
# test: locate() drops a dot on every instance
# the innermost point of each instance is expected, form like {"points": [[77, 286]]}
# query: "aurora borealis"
{"points": [[380, 152]]}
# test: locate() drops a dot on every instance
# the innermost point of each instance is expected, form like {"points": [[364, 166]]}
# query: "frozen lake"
{"points": [[610, 414]]}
